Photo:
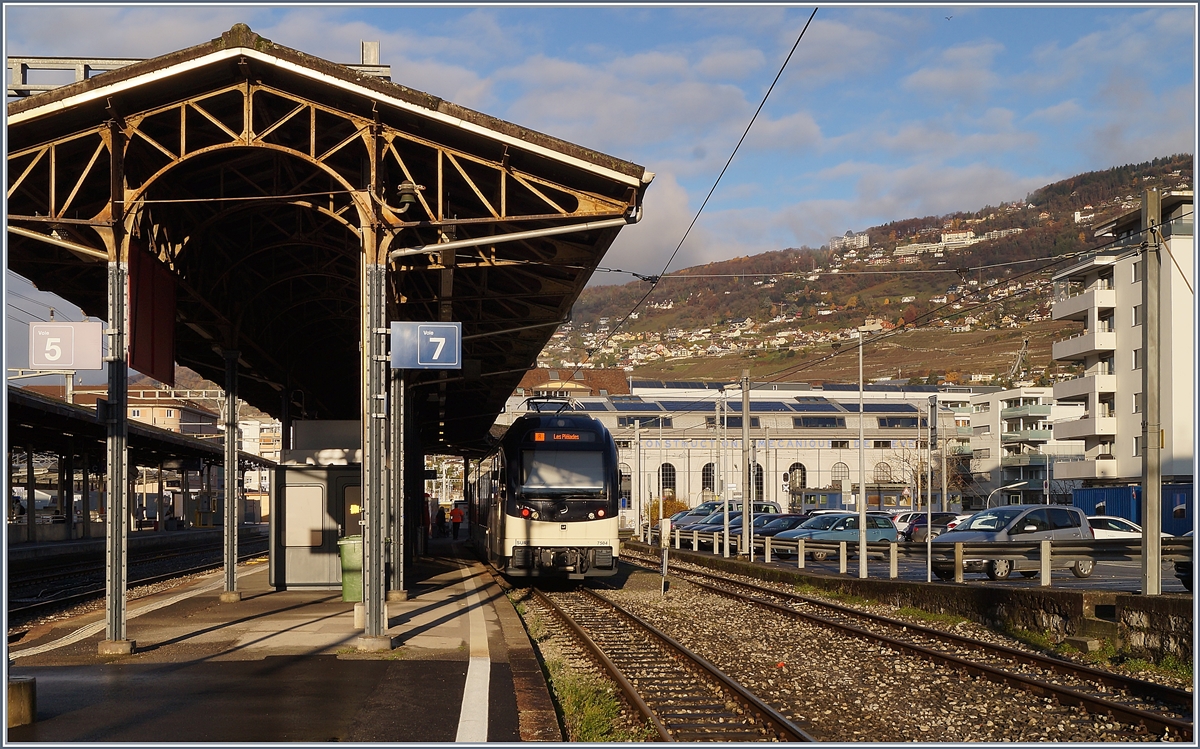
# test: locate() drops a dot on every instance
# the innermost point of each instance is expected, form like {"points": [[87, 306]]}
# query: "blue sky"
{"points": [[884, 112]]}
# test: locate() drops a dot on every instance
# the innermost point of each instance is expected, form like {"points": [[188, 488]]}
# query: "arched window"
{"points": [[759, 489], [626, 475], [797, 476], [666, 480], [883, 473], [708, 477], [839, 473]]}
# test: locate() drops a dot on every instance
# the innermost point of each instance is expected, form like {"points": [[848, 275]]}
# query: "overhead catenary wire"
{"points": [[655, 280]]}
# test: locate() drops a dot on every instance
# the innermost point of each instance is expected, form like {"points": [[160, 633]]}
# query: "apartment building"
{"points": [[1103, 290], [1014, 441]]}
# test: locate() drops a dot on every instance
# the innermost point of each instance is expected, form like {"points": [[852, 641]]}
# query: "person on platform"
{"points": [[441, 521], [456, 518]]}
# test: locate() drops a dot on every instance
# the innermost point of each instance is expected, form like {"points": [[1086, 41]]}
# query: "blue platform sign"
{"points": [[426, 345]]}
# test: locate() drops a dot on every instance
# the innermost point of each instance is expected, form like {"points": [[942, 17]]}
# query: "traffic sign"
{"points": [[426, 345], [65, 345]]}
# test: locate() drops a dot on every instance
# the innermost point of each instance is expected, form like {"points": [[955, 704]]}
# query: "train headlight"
{"points": [[600, 513], [524, 512], [535, 515], [591, 516]]}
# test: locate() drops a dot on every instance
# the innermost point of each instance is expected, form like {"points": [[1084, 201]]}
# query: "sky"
{"points": [[884, 112]]}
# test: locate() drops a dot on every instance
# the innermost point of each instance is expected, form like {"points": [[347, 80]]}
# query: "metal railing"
{"points": [[1047, 554]]}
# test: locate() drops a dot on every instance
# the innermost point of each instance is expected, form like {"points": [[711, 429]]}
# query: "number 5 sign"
{"points": [[426, 345], [70, 345]]}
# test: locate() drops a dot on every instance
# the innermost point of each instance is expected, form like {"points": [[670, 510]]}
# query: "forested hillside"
{"points": [[834, 289]]}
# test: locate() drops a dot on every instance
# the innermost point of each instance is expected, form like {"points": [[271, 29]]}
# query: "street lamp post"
{"points": [[1002, 488]]}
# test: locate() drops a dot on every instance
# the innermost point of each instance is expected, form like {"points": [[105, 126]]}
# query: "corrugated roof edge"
{"points": [[241, 36]]}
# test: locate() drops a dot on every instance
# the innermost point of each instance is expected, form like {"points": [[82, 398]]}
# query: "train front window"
{"points": [[562, 470]]}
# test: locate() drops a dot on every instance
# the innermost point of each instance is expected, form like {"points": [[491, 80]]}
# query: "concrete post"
{"points": [[1151, 398], [747, 468]]}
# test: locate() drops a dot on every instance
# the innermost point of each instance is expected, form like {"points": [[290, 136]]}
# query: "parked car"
{"points": [[1110, 526], [1184, 568], [841, 527], [917, 530], [1016, 523], [779, 524], [902, 520], [958, 519], [714, 518]]}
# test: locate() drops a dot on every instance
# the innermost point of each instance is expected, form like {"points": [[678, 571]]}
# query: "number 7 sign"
{"points": [[426, 345]]}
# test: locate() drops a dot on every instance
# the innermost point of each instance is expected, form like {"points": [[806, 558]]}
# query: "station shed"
{"points": [[261, 216]]}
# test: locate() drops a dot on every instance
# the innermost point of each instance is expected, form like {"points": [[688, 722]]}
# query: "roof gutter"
{"points": [[632, 218], [87, 253]]}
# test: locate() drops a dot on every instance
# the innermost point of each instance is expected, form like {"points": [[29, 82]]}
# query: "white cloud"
{"points": [[1062, 112], [646, 246], [963, 75]]}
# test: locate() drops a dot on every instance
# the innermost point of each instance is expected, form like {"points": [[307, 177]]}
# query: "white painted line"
{"points": [[473, 715], [131, 613]]}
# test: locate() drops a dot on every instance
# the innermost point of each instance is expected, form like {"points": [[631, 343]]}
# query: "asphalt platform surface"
{"points": [[283, 666]]}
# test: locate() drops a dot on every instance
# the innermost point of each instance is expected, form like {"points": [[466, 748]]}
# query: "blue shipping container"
{"points": [[1126, 502]]}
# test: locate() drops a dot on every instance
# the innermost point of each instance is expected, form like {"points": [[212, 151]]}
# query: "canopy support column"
{"points": [[116, 413], [231, 594], [398, 591]]}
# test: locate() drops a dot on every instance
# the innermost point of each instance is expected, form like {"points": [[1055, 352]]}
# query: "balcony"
{"points": [[1027, 435], [1082, 387], [1076, 307], [1036, 459], [1085, 469], [1103, 426], [1080, 346], [1018, 412]]}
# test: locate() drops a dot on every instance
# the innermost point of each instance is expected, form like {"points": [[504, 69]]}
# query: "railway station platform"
{"points": [[283, 666]]}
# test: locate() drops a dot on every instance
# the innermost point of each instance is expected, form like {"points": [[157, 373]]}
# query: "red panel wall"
{"points": [[151, 315]]}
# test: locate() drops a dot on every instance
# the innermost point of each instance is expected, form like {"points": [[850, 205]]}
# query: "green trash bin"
{"points": [[350, 549]]}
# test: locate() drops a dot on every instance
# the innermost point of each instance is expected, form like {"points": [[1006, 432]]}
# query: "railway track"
{"points": [[24, 609], [683, 696], [1155, 708]]}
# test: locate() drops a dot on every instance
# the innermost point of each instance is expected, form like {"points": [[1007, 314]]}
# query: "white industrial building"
{"points": [[1103, 290], [686, 438]]}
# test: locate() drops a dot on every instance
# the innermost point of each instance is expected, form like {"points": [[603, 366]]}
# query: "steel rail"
{"points": [[1065, 695], [627, 688], [788, 730], [1160, 692], [96, 593], [779, 724]]}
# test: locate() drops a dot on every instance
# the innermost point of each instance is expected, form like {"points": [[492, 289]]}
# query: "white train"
{"points": [[546, 501]]}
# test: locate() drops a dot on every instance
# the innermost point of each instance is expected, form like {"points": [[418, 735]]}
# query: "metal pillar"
{"points": [[231, 593], [862, 470], [636, 486], [375, 422], [30, 494], [1151, 399], [747, 469], [397, 591], [117, 480], [68, 474], [87, 496]]}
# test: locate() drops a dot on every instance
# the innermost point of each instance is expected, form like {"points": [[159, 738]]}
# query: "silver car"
{"points": [[1016, 523]]}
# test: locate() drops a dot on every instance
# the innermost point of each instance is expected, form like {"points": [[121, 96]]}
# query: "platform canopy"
{"points": [[252, 173]]}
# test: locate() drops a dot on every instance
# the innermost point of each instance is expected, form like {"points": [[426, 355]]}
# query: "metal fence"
{"points": [[1046, 554]]}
